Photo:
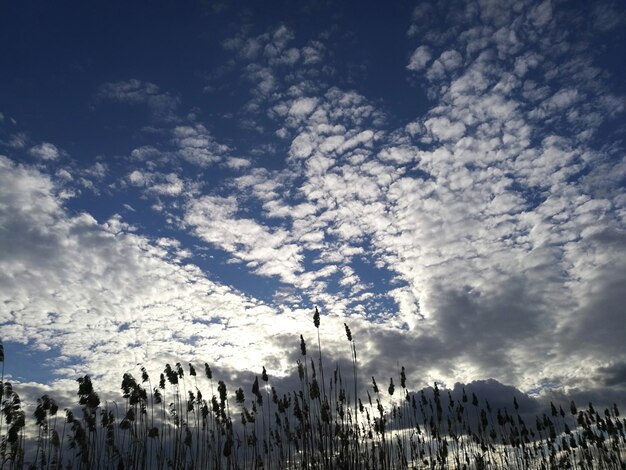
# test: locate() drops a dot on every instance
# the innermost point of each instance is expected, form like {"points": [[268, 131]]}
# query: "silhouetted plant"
{"points": [[321, 425]]}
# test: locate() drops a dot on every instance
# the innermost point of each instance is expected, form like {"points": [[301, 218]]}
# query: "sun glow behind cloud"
{"points": [[494, 221]]}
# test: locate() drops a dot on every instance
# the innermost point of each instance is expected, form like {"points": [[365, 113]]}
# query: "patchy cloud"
{"points": [[161, 104], [266, 251], [45, 151], [420, 57], [117, 290], [477, 226], [196, 145]]}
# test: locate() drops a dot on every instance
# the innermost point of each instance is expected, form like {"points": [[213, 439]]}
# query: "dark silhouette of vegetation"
{"points": [[323, 424]]}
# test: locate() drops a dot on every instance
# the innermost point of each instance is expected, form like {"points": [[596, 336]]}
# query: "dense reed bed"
{"points": [[324, 423]]}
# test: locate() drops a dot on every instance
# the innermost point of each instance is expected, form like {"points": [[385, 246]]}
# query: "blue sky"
{"points": [[184, 181]]}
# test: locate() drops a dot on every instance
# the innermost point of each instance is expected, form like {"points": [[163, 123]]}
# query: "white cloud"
{"points": [[196, 145], [279, 40], [237, 163], [289, 57], [45, 151], [419, 59], [606, 16], [146, 152], [98, 170], [541, 14], [451, 60], [63, 174], [170, 185], [441, 128], [215, 221], [163, 105], [302, 107], [448, 62], [562, 99], [264, 77], [526, 62], [248, 48], [301, 146], [17, 141], [313, 53], [399, 155], [363, 138], [473, 220], [138, 178], [91, 290]]}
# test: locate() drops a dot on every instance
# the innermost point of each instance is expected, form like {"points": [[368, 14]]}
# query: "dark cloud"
{"points": [[614, 374]]}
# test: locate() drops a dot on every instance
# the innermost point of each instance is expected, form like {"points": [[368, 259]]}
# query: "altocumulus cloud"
{"points": [[493, 221], [99, 277], [496, 211], [90, 290]]}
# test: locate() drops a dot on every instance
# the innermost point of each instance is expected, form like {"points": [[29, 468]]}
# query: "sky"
{"points": [[184, 181]]}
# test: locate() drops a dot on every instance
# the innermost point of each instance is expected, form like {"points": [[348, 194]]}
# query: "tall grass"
{"points": [[322, 424]]}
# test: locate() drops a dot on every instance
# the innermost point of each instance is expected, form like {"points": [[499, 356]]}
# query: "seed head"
{"points": [[255, 386], [314, 390], [172, 377], [553, 409], [221, 387], [316, 318], [348, 332], [300, 370], [302, 346], [374, 385], [55, 440]]}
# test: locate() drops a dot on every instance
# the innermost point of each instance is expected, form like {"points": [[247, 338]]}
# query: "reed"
{"points": [[323, 424]]}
